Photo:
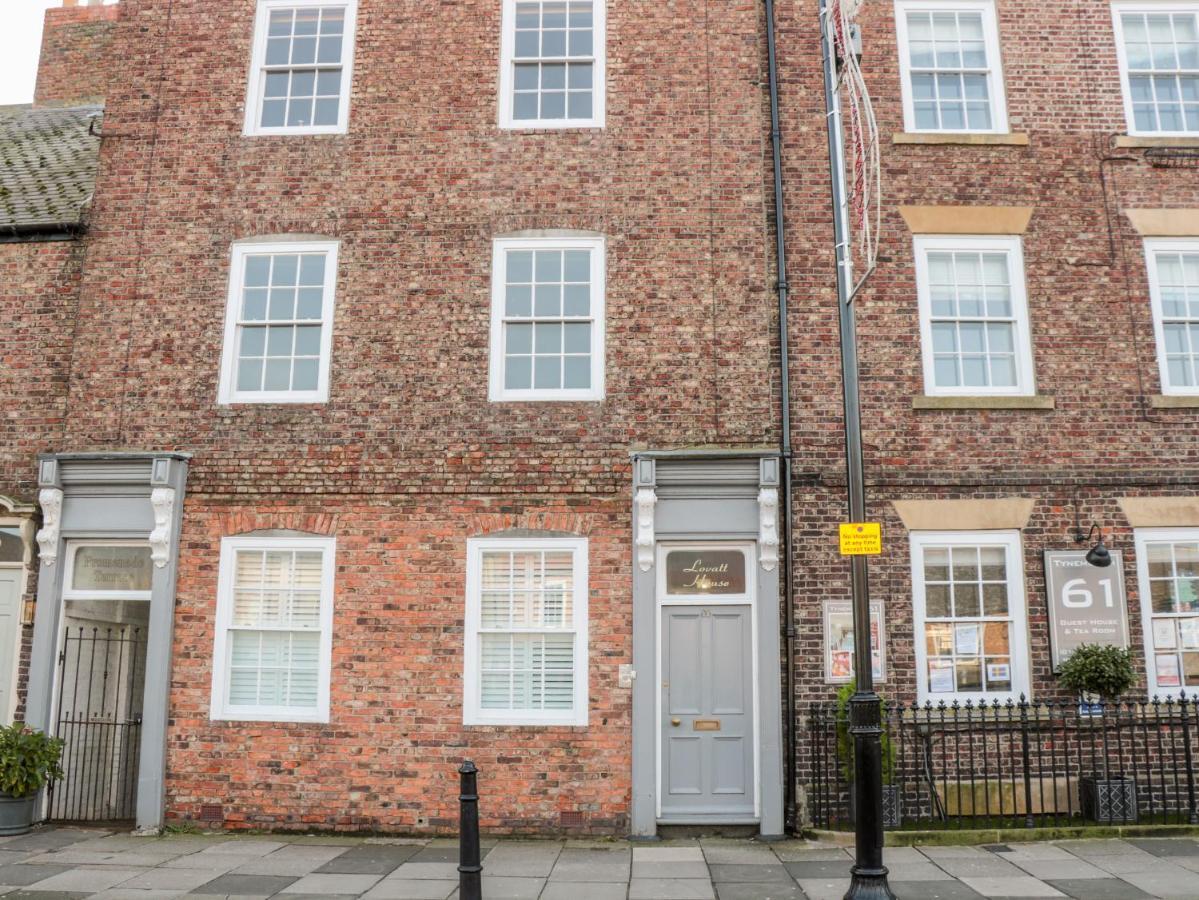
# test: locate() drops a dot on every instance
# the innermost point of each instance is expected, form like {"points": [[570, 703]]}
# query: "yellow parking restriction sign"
{"points": [[862, 539]]}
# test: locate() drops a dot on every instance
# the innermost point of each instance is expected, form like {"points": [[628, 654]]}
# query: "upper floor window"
{"points": [[301, 70], [547, 319], [279, 323], [1158, 48], [552, 60], [973, 316], [274, 629], [526, 632], [1174, 291], [1168, 573], [949, 66], [969, 616]]}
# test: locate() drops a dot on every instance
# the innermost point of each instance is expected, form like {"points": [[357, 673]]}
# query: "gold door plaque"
{"points": [[706, 725]]}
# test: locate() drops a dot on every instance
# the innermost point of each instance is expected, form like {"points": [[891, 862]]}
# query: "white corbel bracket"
{"points": [[47, 536], [163, 501], [646, 500], [768, 528]]}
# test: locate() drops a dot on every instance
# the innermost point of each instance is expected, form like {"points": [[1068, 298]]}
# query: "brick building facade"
{"points": [[537, 375]]}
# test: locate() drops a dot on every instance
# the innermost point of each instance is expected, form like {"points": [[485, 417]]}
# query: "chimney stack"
{"points": [[76, 66]]}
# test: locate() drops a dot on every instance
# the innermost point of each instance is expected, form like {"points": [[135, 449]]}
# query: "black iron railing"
{"points": [[1015, 764]]}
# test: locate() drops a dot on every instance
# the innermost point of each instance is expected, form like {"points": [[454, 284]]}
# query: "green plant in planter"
{"points": [[28, 759], [1100, 670], [845, 739]]}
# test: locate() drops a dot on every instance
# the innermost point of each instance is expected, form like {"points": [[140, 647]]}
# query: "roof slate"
{"points": [[48, 164]]}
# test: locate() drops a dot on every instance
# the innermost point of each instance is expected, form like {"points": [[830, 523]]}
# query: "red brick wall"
{"points": [[1092, 332], [76, 65]]}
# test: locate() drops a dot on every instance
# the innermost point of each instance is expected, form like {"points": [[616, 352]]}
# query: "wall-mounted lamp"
{"points": [[1097, 555]]}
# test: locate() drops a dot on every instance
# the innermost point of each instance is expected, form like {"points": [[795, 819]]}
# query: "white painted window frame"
{"points": [[472, 709], [256, 81], [995, 86], [24, 527], [497, 393], [1011, 245], [508, 75], [1141, 538], [1152, 247], [1017, 611], [1122, 57], [220, 709], [228, 393]]}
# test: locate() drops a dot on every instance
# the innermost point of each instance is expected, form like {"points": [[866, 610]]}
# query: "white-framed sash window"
{"points": [[274, 629], [1157, 46], [547, 319], [969, 616], [952, 79], [1173, 267], [1168, 580], [974, 323], [552, 64], [301, 68], [279, 323], [526, 632]]}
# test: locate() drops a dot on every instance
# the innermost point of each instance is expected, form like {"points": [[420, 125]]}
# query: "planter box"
{"points": [[16, 814], [892, 808], [1108, 800]]}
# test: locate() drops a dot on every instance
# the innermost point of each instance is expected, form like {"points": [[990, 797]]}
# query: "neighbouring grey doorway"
{"points": [[708, 747]]}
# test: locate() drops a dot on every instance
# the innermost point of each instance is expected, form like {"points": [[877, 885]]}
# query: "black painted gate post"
{"points": [[470, 868]]}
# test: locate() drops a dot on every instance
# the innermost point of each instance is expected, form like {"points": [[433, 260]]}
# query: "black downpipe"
{"points": [[790, 812]]}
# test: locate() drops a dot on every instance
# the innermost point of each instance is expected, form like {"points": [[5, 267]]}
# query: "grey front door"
{"points": [[708, 748], [10, 626]]}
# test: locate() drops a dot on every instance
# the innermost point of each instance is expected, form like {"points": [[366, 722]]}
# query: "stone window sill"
{"points": [[1036, 402], [1014, 139], [1174, 401], [1145, 140]]}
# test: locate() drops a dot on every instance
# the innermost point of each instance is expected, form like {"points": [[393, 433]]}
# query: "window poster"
{"points": [[838, 641], [1189, 631], [1168, 674], [999, 672], [966, 639], [1164, 637], [940, 677]]}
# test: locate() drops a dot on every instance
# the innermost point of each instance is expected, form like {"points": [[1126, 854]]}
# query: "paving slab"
{"points": [[20, 874], [796, 852], [917, 871], [90, 879], [427, 870], [1165, 881], [251, 885], [179, 880], [670, 889], [524, 860], [824, 888], [369, 859], [504, 887], [1073, 869], [934, 890], [216, 863], [594, 890], [820, 869], [740, 854], [291, 860], [327, 885], [1099, 889], [1015, 852], [989, 866], [759, 890], [643, 869], [52, 839], [124, 893], [1166, 846], [46, 895], [1017, 886], [668, 854], [903, 855], [408, 889], [749, 872], [940, 853], [8, 857], [592, 866], [1128, 863]]}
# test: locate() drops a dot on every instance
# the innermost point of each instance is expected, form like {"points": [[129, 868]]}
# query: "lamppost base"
{"points": [[869, 884]]}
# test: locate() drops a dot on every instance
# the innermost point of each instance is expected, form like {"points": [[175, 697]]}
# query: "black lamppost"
{"points": [[868, 875]]}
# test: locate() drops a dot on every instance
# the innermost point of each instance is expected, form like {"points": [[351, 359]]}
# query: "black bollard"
{"points": [[470, 868]]}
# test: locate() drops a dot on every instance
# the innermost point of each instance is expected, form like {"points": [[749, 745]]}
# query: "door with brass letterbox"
{"points": [[708, 748]]}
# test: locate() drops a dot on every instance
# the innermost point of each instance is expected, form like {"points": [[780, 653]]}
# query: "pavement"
{"points": [[66, 863]]}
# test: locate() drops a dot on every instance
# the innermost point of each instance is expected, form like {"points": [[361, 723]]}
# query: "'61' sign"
{"points": [[1086, 603]]}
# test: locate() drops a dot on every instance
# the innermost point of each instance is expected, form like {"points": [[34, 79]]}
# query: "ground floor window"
{"points": [[1168, 572], [274, 627], [526, 632], [969, 616]]}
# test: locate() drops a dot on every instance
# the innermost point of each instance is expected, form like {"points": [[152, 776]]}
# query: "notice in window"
{"points": [[1168, 674], [1164, 637], [940, 677]]}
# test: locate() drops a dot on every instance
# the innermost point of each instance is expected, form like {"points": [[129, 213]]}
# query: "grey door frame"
{"points": [[705, 496], [749, 598]]}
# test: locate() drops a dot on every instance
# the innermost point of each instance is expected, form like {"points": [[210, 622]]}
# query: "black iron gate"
{"points": [[101, 673]]}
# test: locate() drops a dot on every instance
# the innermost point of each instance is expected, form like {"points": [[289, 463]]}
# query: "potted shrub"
{"points": [[892, 810], [1100, 674], [28, 760]]}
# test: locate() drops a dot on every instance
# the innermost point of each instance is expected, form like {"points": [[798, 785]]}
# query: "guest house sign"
{"points": [[1086, 603]]}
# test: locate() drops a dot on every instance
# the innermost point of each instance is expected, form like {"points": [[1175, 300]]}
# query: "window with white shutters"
{"points": [[526, 653], [274, 618]]}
